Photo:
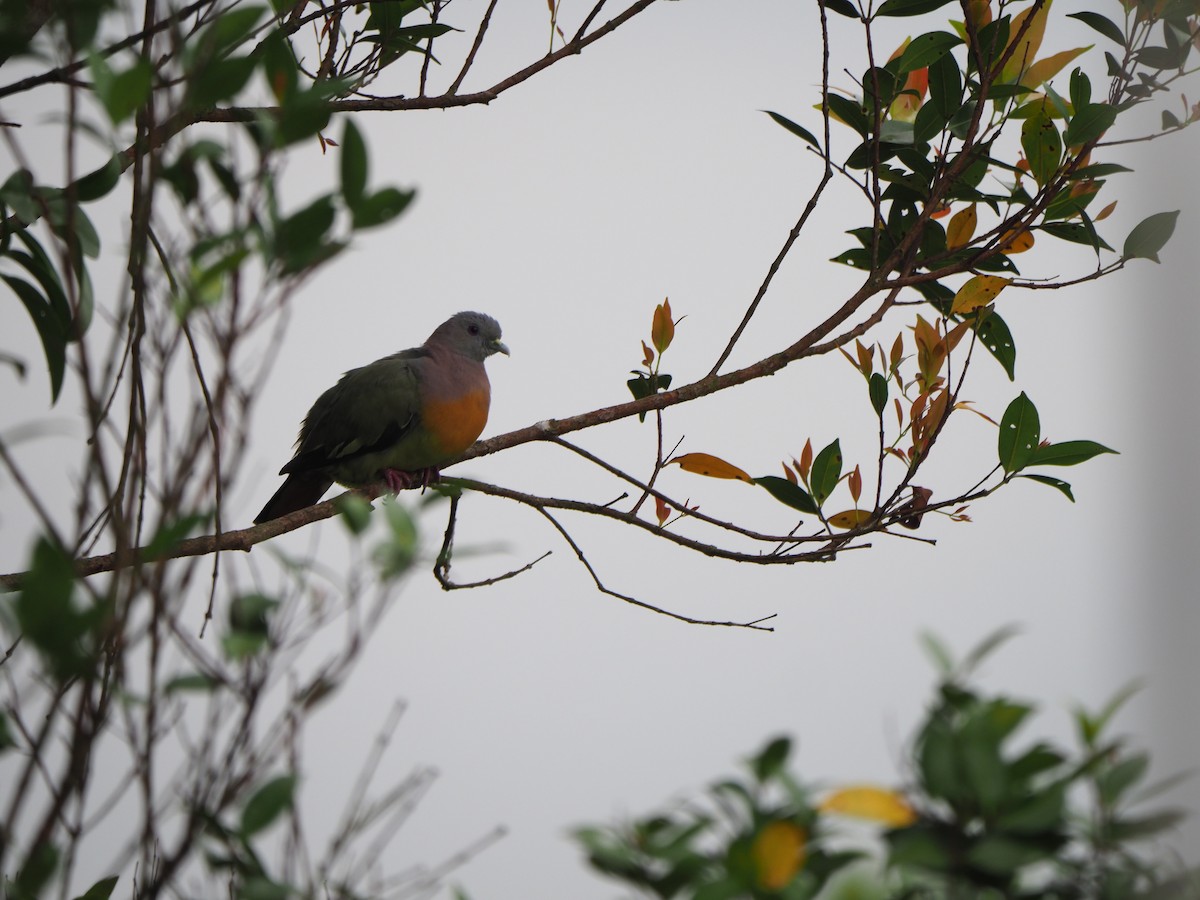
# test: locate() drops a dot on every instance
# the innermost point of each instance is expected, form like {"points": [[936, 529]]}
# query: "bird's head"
{"points": [[472, 334]]}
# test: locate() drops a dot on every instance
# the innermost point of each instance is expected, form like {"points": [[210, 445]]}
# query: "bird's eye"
{"points": [[474, 329]]}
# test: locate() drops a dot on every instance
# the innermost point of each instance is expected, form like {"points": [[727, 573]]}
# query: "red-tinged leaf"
{"points": [[1106, 212], [789, 474], [978, 291], [866, 358], [967, 405], [712, 466], [926, 335], [899, 413], [897, 354], [850, 518], [911, 513], [662, 329], [647, 355], [806, 458], [661, 510], [961, 228], [787, 493], [955, 335], [854, 482]]}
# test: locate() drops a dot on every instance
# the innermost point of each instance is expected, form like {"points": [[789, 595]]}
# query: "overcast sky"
{"points": [[568, 209]]}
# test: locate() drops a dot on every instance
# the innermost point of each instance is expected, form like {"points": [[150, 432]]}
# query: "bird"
{"points": [[396, 421]]}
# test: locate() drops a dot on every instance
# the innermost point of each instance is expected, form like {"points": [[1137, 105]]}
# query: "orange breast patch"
{"points": [[455, 424]]}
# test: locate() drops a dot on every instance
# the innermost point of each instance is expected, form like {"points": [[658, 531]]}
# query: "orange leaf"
{"points": [[713, 467], [866, 358], [647, 355], [961, 228], [1021, 241], [854, 482], [789, 474], [662, 329], [851, 518], [873, 803], [806, 458], [1026, 49], [1106, 212], [778, 852], [661, 510], [897, 352], [978, 291]]}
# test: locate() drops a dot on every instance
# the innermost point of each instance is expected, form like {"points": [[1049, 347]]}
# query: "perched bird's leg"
{"points": [[398, 480]]}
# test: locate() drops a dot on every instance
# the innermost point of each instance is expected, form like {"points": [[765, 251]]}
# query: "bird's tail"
{"points": [[301, 489]]}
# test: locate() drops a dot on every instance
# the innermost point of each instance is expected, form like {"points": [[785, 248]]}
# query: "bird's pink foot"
{"points": [[398, 480]]}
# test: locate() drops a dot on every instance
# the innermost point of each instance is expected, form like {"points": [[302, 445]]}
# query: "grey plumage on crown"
{"points": [[473, 334]]}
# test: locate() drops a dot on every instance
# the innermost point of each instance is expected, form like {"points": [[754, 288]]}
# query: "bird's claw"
{"points": [[397, 480]]}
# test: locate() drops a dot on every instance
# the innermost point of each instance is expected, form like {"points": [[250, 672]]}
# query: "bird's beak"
{"points": [[499, 347]]}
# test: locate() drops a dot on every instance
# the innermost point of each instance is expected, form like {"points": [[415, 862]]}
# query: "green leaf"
{"points": [[787, 493], [51, 330], [826, 471], [842, 8], [17, 193], [1020, 433], [1112, 783], [644, 385], [1056, 483], [1003, 856], [1141, 827], [998, 340], [1076, 233], [850, 112], [909, 7], [919, 847], [120, 93], [798, 130], [37, 870], [1042, 145], [259, 887], [945, 86], [97, 184], [1101, 24], [938, 652], [1089, 123], [1149, 236], [353, 164], [303, 232], [101, 890], [926, 49], [171, 533], [878, 389], [1081, 90], [355, 511], [381, 207], [771, 759], [220, 80], [6, 738], [193, 682], [1068, 453], [233, 27], [267, 804]]}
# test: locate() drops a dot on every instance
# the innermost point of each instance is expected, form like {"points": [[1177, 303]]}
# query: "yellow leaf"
{"points": [[778, 852], [874, 803], [961, 228], [1027, 47], [978, 291], [851, 518], [662, 329], [1106, 212], [1021, 241], [1045, 69], [713, 467]]}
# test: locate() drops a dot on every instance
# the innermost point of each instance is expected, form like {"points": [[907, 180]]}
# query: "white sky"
{"points": [[568, 209]]}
